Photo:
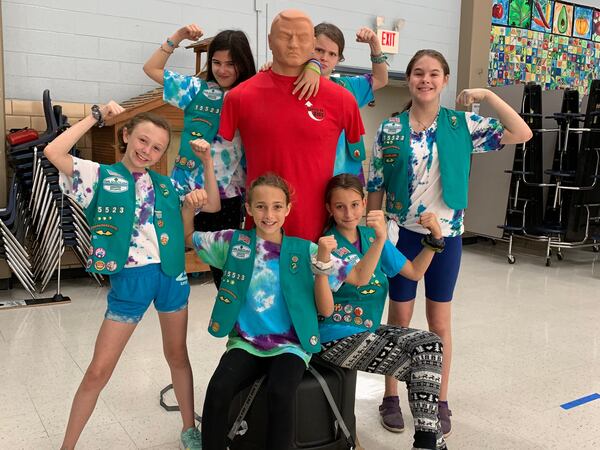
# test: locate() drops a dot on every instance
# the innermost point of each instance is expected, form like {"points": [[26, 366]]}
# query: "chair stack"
{"points": [[49, 220]]}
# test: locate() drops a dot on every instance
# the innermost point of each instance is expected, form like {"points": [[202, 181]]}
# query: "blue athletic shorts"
{"points": [[133, 290], [440, 277]]}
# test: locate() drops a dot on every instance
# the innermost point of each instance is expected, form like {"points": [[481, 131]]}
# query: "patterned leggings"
{"points": [[409, 355]]}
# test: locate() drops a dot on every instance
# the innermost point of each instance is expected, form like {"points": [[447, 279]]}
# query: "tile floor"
{"points": [[526, 341]]}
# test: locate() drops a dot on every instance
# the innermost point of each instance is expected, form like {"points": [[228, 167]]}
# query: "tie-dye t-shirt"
{"points": [[81, 187], [425, 184], [228, 156], [264, 326]]}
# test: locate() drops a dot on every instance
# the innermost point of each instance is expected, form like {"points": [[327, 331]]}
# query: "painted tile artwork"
{"points": [[563, 19], [500, 12], [541, 15], [557, 45]]}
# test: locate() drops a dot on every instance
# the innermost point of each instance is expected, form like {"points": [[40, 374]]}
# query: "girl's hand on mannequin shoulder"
{"points": [[201, 149], [469, 96], [376, 220], [430, 221], [110, 110], [191, 32], [195, 199], [327, 244]]}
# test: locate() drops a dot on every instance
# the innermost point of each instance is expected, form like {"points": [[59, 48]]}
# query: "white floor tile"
{"points": [[526, 340]]}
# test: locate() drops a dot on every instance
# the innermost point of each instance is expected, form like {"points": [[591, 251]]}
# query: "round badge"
{"points": [[371, 239], [191, 164], [337, 307], [337, 317], [347, 318], [348, 309], [356, 153], [294, 259], [358, 311], [215, 326], [111, 266], [164, 239], [100, 252], [368, 323], [357, 320], [99, 265], [183, 161], [314, 340], [177, 158]]}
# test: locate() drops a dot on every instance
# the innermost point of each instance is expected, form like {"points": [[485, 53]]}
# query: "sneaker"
{"points": [[444, 415], [391, 414], [191, 439]]}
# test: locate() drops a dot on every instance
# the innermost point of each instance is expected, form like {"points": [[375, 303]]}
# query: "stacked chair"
{"points": [[46, 221], [571, 186]]}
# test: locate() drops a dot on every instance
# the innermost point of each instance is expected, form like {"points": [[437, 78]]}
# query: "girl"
{"points": [[230, 63], [351, 333], [329, 49], [421, 161], [266, 305], [137, 240]]}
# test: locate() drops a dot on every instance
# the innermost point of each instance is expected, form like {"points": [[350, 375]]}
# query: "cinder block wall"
{"points": [[30, 114]]}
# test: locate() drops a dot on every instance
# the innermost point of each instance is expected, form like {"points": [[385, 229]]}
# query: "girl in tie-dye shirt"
{"points": [[428, 74]]}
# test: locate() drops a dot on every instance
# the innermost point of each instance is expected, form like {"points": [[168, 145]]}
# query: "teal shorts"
{"points": [[133, 290]]}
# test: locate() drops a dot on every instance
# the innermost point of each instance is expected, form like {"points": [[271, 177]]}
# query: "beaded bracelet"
{"points": [[171, 44], [166, 51], [379, 59]]}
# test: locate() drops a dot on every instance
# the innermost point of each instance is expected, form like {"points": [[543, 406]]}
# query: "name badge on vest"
{"points": [[240, 251], [392, 128], [212, 94], [115, 184]]}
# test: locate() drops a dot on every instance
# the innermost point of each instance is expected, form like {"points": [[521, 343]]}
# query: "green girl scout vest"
{"points": [[111, 217], [363, 305], [356, 151], [200, 121], [297, 286], [454, 145]]}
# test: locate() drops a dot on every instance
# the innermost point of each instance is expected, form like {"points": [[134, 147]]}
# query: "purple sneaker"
{"points": [[444, 414], [391, 414]]}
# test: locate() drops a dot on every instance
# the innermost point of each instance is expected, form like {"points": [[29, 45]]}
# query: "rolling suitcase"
{"points": [[317, 426]]}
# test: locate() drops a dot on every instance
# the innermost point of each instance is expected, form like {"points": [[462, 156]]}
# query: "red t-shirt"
{"points": [[295, 139]]}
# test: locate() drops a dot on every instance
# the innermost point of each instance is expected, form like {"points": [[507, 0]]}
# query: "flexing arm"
{"points": [[415, 269], [193, 201], [202, 150], [323, 294], [515, 128], [57, 151], [379, 69], [363, 271], [155, 65]]}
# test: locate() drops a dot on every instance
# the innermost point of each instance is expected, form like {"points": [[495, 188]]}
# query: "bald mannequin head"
{"points": [[291, 41]]}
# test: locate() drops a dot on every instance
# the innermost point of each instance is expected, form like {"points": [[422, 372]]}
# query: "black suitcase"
{"points": [[316, 426]]}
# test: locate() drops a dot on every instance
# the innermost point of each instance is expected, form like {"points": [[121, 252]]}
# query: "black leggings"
{"points": [[237, 370], [229, 217]]}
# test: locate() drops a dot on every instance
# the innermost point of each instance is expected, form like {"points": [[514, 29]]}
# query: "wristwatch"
{"points": [[97, 114], [437, 245]]}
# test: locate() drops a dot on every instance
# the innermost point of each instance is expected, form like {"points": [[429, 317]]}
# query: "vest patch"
{"points": [[111, 266], [240, 251], [115, 184]]}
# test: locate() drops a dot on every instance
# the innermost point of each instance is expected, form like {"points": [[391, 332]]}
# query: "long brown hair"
{"points": [[417, 56], [341, 181], [130, 125], [236, 42], [333, 33]]}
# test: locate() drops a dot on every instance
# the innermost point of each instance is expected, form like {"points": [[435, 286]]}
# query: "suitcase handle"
{"points": [[333, 406]]}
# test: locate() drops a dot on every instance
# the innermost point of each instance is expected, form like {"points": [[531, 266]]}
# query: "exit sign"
{"points": [[388, 40]]}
